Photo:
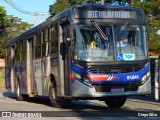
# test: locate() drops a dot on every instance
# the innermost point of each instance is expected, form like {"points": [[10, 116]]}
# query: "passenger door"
{"points": [[66, 37], [29, 65]]}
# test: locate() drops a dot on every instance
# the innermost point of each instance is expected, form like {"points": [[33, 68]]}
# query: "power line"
{"points": [[11, 3], [35, 14]]}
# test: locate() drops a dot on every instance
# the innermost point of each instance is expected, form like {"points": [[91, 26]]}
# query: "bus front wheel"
{"points": [[53, 96], [115, 102], [55, 100]]}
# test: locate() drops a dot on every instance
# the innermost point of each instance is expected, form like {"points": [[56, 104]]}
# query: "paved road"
{"points": [[82, 110]]}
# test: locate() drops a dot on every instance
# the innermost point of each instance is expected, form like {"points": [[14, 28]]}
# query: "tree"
{"points": [[3, 24], [61, 5], [12, 26], [3, 19], [152, 11]]}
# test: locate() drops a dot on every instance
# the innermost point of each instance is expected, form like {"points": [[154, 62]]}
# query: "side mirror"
{"points": [[68, 42], [63, 49]]}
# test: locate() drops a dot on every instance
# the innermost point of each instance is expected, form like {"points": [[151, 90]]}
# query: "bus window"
{"points": [[23, 50], [37, 46], [44, 40], [54, 39], [136, 40], [8, 56], [17, 52]]}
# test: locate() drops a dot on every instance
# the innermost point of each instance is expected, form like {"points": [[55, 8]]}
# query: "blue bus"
{"points": [[78, 55]]}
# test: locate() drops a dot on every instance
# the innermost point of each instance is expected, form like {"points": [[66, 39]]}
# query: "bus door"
{"points": [[13, 84], [66, 58], [29, 65]]}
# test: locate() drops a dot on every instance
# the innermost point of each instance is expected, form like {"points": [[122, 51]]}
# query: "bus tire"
{"points": [[55, 100], [115, 102], [20, 97], [53, 96]]}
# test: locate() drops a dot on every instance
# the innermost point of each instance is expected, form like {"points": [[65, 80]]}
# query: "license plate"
{"points": [[117, 89]]}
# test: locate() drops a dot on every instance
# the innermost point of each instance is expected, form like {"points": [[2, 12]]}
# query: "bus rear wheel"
{"points": [[55, 100], [115, 102]]}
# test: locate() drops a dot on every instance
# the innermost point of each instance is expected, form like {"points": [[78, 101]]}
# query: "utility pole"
{"points": [[35, 18], [36, 14]]}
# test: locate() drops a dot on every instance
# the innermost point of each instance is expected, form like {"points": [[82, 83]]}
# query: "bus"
{"points": [[74, 56]]}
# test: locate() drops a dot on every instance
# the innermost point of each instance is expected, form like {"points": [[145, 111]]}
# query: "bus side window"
{"points": [[17, 52], [8, 55], [37, 45], [44, 41], [23, 51], [54, 39]]}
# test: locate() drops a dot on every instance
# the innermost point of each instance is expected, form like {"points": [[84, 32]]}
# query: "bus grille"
{"points": [[107, 87], [114, 68]]}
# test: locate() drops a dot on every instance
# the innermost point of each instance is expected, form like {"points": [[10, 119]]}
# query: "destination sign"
{"points": [[108, 13]]}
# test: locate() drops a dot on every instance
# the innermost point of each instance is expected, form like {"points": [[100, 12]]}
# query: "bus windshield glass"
{"points": [[124, 42]]}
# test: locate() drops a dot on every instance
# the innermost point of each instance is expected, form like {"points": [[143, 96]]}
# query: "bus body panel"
{"points": [[46, 74], [21, 76], [8, 78], [37, 68]]}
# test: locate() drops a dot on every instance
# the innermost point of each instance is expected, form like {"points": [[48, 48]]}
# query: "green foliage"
{"points": [[12, 26], [61, 5], [152, 11], [3, 17]]}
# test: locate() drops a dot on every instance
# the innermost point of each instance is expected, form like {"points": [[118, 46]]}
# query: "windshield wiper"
{"points": [[99, 30]]}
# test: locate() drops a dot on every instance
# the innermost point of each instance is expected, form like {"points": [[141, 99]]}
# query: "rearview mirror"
{"points": [[68, 42], [63, 49]]}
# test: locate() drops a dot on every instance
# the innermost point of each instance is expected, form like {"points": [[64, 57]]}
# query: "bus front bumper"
{"points": [[81, 90]]}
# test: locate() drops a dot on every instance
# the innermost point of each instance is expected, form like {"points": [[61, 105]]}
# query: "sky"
{"points": [[41, 6]]}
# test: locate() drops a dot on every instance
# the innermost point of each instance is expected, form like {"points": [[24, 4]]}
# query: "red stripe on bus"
{"points": [[97, 77]]}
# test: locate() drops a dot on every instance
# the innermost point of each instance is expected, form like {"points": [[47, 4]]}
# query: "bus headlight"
{"points": [[145, 77], [83, 80], [87, 82], [77, 75]]}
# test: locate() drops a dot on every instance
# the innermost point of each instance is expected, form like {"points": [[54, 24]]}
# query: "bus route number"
{"points": [[129, 56]]}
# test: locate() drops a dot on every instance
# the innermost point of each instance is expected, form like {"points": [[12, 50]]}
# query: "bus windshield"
{"points": [[124, 42]]}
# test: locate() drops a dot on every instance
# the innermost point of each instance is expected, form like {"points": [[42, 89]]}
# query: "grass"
{"points": [[2, 75]]}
